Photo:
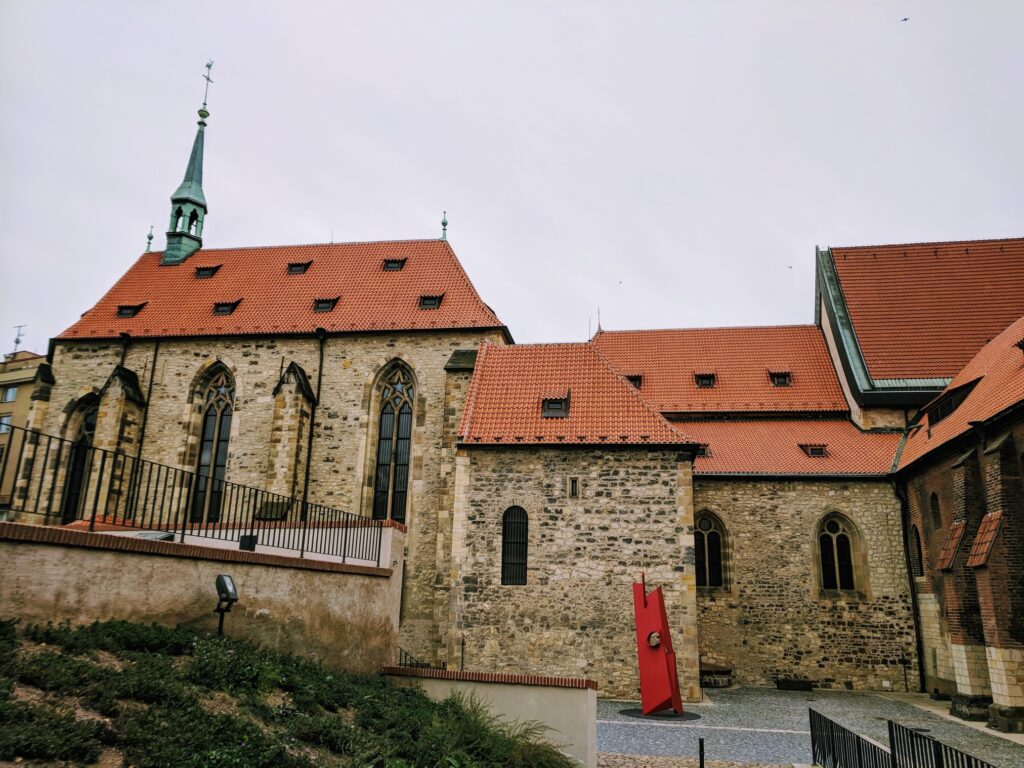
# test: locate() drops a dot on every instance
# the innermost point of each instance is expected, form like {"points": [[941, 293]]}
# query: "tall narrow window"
{"points": [[916, 555], [80, 460], [514, 542], [394, 442], [835, 545], [709, 550], [936, 513], [217, 400]]}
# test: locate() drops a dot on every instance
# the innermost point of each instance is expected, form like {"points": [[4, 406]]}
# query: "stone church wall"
{"points": [[771, 621], [341, 468], [574, 616]]}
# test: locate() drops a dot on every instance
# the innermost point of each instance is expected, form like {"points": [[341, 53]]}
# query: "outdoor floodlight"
{"points": [[227, 596]]}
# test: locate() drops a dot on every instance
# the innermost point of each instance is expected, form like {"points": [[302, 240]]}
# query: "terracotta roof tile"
{"points": [[510, 382], [984, 539], [923, 310], [998, 370], [740, 358], [948, 554], [772, 447], [177, 303]]}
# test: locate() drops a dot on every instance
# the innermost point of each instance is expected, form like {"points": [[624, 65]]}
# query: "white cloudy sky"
{"points": [[673, 163]]}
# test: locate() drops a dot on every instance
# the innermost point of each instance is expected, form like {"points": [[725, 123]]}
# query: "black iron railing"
{"points": [[833, 746], [60, 481], [406, 659]]}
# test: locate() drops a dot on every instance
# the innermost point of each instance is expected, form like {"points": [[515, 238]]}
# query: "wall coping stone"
{"points": [[60, 536], [491, 677]]}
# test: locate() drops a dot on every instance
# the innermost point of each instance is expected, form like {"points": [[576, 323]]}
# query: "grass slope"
{"points": [[147, 696]]}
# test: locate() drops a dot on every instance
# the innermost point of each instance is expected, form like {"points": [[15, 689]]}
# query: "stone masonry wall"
{"points": [[772, 621], [574, 616]]}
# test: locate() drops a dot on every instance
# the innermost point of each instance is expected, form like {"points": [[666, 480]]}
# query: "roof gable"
{"points": [[742, 360], [510, 384], [178, 303]]}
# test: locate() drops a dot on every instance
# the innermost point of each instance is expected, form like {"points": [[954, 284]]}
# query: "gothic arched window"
{"points": [[394, 443], [217, 400], [836, 547], [709, 550], [514, 542], [80, 457], [916, 559]]}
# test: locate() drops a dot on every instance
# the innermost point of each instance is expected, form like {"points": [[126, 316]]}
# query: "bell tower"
{"points": [[188, 203]]}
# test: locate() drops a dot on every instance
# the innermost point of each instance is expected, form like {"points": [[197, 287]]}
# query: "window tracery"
{"points": [[394, 443]]}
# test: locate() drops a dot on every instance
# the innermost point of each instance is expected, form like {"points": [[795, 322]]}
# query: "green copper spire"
{"points": [[444, 225], [188, 203]]}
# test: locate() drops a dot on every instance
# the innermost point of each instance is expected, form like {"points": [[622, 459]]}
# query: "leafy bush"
{"points": [[61, 673], [220, 663], [37, 732], [116, 636]]}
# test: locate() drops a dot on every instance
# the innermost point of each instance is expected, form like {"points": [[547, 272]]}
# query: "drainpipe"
{"points": [[905, 525], [321, 335]]}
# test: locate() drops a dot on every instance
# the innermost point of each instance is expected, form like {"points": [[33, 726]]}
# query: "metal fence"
{"points": [[833, 746], [60, 481]]}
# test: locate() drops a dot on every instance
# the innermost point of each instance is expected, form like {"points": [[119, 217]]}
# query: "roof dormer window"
{"points": [[431, 302], [637, 380], [204, 273], [299, 267], [815, 451], [225, 307], [948, 402], [780, 378], [325, 305], [705, 380], [129, 310], [555, 407], [394, 265]]}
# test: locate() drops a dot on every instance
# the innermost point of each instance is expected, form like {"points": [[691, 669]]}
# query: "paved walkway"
{"points": [[763, 725]]}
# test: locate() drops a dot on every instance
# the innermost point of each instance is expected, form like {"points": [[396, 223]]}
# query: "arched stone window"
{"points": [[709, 550], [936, 513], [916, 555], [837, 548], [394, 445], [217, 401], [514, 543], [82, 430], [192, 220]]}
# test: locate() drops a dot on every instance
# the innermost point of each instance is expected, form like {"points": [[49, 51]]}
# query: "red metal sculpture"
{"points": [[659, 683]]}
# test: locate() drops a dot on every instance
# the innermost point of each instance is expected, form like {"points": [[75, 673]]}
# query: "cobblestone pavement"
{"points": [[608, 760], [763, 725]]}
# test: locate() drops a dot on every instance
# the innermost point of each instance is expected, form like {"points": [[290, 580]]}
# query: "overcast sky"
{"points": [[673, 163]]}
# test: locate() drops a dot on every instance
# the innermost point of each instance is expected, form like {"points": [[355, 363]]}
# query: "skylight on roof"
{"points": [[705, 380], [204, 273], [948, 402], [299, 267], [637, 380], [393, 265], [780, 378], [431, 302], [325, 305], [225, 307], [129, 310], [555, 407], [815, 451]]}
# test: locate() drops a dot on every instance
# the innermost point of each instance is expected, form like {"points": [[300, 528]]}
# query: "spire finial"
{"points": [[203, 111], [149, 238], [444, 225]]}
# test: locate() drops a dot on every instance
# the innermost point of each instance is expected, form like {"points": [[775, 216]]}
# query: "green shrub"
{"points": [[64, 674], [40, 733], [116, 636], [220, 663], [152, 679]]}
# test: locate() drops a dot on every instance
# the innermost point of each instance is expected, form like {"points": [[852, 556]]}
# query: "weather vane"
{"points": [[18, 337], [206, 77]]}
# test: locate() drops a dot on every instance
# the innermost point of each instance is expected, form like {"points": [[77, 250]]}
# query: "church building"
{"points": [[778, 482]]}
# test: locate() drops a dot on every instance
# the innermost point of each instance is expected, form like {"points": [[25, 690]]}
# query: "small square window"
{"points": [[780, 378], [129, 310], [204, 273], [637, 380], [555, 407], [5, 424], [324, 305], [299, 267], [225, 307], [430, 302], [574, 487], [815, 451], [702, 450], [393, 265], [705, 380], [10, 394]]}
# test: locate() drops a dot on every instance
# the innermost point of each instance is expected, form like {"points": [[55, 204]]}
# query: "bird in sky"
{"points": [[905, 18]]}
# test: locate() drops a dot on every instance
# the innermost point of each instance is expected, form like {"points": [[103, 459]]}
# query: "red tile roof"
{"points": [[740, 358], [999, 371], [924, 310], [510, 382], [984, 539], [772, 447], [952, 545], [179, 304]]}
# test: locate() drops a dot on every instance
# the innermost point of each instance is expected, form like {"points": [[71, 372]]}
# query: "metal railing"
{"points": [[833, 746], [60, 481], [406, 659]]}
